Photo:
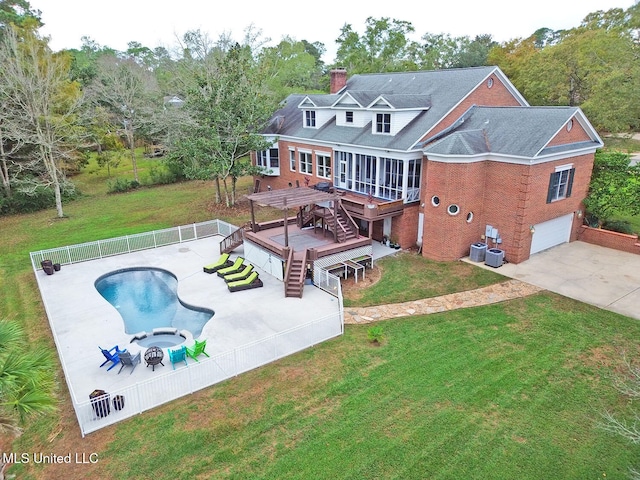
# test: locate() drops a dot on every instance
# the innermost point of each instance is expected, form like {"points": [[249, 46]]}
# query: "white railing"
{"points": [[205, 372], [131, 243]]}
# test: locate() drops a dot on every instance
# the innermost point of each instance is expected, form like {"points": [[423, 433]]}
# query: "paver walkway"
{"points": [[499, 292]]}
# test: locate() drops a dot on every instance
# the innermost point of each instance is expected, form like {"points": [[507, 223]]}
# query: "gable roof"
{"points": [[436, 92], [511, 131]]}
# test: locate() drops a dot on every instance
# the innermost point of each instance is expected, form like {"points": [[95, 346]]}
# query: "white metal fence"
{"points": [[206, 372], [131, 243]]}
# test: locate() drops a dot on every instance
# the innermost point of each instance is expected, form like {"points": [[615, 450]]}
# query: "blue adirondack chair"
{"points": [[111, 355], [178, 355]]}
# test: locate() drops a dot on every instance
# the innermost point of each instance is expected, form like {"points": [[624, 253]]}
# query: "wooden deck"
{"points": [[317, 241]]}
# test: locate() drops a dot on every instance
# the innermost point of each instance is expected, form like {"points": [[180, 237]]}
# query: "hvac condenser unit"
{"points": [[494, 257]]}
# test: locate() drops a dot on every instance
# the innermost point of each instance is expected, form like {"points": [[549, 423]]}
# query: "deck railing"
{"points": [[131, 243]]}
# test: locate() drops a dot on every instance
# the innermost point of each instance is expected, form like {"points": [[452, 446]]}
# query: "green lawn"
{"points": [[512, 390]]}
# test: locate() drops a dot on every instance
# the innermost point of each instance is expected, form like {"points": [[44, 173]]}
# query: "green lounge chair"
{"points": [[222, 262], [236, 267], [197, 349], [241, 275], [252, 281]]}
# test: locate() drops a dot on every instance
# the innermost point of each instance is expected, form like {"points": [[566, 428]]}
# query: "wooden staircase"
{"points": [[295, 274], [343, 229], [341, 223], [232, 241]]}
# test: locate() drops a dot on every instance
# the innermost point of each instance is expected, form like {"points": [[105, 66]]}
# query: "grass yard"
{"points": [[407, 277], [512, 390], [506, 391]]}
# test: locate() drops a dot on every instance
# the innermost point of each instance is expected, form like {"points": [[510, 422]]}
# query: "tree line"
{"points": [[205, 100]]}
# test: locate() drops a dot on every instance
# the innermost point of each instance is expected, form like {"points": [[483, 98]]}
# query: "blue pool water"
{"points": [[147, 298]]}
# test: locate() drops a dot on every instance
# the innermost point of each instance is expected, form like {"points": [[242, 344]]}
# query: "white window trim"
{"points": [[292, 164], [300, 152], [329, 156]]}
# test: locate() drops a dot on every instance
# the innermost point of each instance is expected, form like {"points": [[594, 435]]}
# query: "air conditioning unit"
{"points": [[477, 252], [494, 257]]}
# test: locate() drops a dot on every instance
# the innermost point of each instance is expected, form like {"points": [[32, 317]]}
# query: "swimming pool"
{"points": [[147, 299]]}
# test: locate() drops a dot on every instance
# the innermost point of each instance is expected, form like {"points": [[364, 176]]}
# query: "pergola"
{"points": [[288, 198]]}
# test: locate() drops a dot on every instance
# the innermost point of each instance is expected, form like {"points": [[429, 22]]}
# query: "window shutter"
{"points": [[551, 188], [570, 182]]}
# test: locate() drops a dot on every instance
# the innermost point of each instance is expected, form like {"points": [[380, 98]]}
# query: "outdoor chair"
{"points": [[178, 355], [252, 281], [241, 275], [128, 360], [222, 262], [111, 355], [197, 349], [237, 265]]}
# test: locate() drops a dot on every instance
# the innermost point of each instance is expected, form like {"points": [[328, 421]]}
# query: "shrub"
{"points": [[374, 334], [620, 226], [121, 185], [162, 176], [40, 198]]}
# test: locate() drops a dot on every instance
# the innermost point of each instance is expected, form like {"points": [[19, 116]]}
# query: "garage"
{"points": [[551, 233]]}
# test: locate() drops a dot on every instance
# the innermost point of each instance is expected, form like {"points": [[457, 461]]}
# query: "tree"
{"points": [[290, 68], [594, 66], [627, 382], [614, 187], [384, 47], [40, 106], [26, 382], [19, 14], [130, 93], [228, 106]]}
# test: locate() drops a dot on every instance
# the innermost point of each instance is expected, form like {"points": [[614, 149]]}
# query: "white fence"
{"points": [[131, 243], [206, 372]]}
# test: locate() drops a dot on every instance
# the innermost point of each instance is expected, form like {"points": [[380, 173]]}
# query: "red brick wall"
{"points": [[509, 197], [606, 238], [448, 237], [576, 134], [497, 95], [288, 178], [404, 228]]}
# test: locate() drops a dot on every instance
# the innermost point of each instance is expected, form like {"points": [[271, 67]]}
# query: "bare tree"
{"points": [[628, 384], [39, 105], [130, 93]]}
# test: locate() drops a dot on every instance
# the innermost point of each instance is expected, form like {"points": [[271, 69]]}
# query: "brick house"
{"points": [[438, 159]]}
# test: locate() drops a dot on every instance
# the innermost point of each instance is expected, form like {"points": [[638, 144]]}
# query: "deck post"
{"points": [[286, 221], [253, 217]]}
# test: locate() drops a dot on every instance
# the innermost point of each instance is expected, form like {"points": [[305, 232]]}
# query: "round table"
{"points": [[153, 356]]}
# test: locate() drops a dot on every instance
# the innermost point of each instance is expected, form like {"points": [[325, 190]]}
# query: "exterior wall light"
{"points": [[532, 229], [579, 213]]}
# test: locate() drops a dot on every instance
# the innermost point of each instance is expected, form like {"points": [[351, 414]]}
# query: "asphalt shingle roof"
{"points": [[437, 91], [517, 131]]}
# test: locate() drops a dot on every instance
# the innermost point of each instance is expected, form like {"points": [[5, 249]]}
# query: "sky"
{"points": [[154, 23]]}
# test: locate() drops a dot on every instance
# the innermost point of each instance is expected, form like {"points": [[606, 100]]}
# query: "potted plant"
{"points": [[370, 203]]}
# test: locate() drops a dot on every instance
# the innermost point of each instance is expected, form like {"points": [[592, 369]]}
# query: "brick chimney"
{"points": [[338, 79]]}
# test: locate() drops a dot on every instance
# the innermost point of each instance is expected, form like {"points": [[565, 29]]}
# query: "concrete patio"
{"points": [[81, 319]]}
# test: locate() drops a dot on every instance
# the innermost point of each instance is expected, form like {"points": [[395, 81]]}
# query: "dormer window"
{"points": [[383, 123], [348, 117], [309, 118]]}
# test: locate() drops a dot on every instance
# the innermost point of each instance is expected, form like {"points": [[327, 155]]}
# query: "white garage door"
{"points": [[551, 233]]}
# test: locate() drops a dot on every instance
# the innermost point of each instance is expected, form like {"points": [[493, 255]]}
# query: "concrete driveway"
{"points": [[600, 276]]}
